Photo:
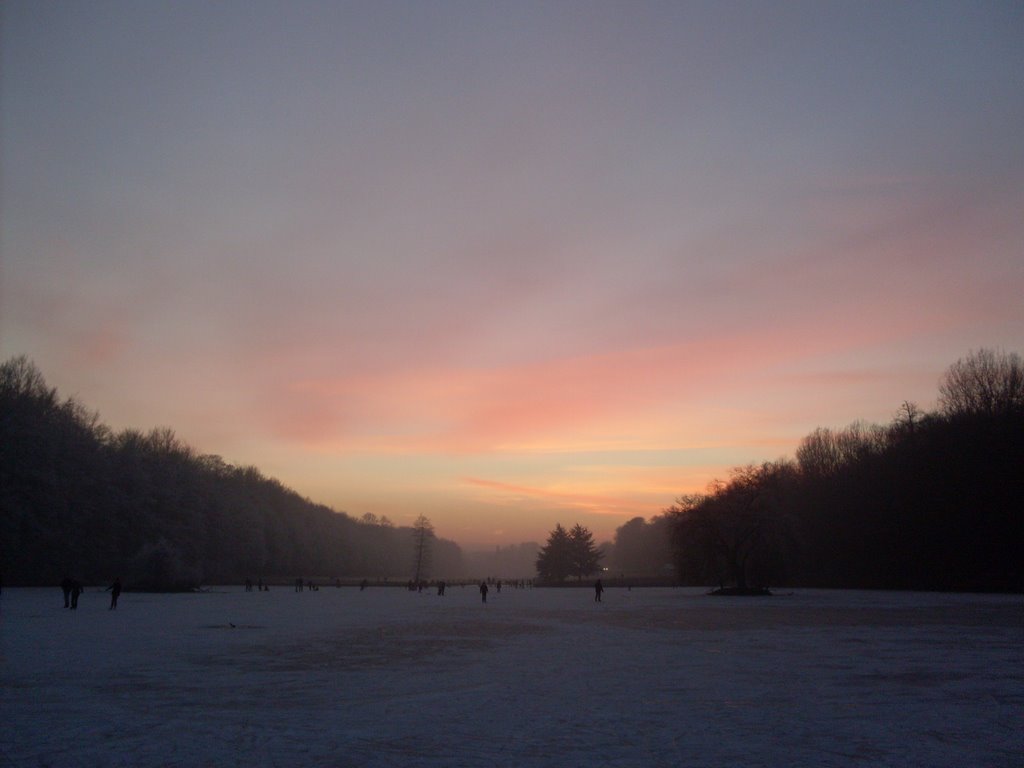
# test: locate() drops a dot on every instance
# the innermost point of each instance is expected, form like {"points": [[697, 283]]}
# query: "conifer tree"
{"points": [[568, 553], [554, 561], [585, 558]]}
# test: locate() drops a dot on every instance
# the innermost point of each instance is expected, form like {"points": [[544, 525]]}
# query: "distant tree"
{"points": [[554, 562], [446, 559], [985, 383], [423, 539], [585, 558], [643, 548], [908, 419], [630, 552]]}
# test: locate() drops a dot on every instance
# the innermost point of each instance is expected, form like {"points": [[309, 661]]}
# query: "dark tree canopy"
{"points": [[554, 560], [585, 558], [568, 553], [77, 498], [738, 533], [643, 548], [932, 501]]}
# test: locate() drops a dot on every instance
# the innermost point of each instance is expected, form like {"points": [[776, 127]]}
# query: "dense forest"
{"points": [[930, 501], [77, 498]]}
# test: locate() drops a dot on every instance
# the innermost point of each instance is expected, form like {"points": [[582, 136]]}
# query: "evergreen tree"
{"points": [[568, 553], [584, 557], [554, 562]]}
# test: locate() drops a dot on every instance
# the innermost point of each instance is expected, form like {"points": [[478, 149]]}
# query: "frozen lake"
{"points": [[385, 677]]}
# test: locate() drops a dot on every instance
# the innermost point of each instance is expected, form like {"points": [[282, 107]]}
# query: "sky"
{"points": [[507, 264]]}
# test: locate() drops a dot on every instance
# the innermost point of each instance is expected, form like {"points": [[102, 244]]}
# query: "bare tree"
{"points": [[824, 452], [908, 418], [423, 539], [985, 383]]}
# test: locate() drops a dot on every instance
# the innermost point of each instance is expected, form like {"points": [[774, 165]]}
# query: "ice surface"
{"points": [[545, 677]]}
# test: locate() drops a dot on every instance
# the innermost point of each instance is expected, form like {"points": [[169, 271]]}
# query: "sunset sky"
{"points": [[507, 264]]}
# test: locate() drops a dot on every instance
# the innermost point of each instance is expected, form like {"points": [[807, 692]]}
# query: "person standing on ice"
{"points": [[598, 589], [65, 586], [115, 592], [483, 591], [76, 590]]}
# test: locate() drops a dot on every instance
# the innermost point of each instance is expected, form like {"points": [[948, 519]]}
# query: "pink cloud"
{"points": [[567, 402]]}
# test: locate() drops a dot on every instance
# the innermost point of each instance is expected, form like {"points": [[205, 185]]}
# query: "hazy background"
{"points": [[507, 264]]}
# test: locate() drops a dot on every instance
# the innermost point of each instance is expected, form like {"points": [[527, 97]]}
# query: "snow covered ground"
{"points": [[385, 677]]}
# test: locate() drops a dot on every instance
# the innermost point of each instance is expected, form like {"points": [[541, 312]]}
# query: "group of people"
{"points": [[73, 589]]}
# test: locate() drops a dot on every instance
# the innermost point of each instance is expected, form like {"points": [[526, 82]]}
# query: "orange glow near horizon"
{"points": [[568, 281]]}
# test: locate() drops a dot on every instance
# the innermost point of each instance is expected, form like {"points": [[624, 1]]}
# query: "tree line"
{"points": [[931, 501], [76, 497]]}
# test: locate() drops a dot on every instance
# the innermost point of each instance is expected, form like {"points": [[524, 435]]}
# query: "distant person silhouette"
{"points": [[65, 585], [598, 589], [115, 592], [483, 591], [76, 590], [440, 588], [362, 585]]}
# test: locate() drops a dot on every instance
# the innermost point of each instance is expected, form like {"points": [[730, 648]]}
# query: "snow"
{"points": [[544, 677]]}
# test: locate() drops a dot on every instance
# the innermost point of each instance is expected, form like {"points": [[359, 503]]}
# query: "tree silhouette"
{"points": [[737, 532], [985, 383], [933, 501], [76, 497], [554, 562], [568, 553], [584, 557], [423, 539]]}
